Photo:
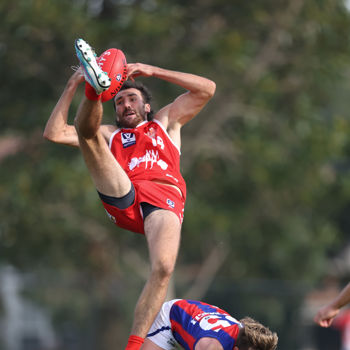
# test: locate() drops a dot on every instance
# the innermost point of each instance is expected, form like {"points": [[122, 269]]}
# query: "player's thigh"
{"points": [[149, 345], [109, 177], [163, 231]]}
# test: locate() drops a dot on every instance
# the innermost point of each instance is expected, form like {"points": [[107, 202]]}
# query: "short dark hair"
{"points": [[146, 94]]}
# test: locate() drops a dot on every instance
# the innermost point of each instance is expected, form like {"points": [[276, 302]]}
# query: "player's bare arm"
{"points": [[173, 116], [326, 314], [57, 128]]}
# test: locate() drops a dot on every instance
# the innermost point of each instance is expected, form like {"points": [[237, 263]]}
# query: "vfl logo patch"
{"points": [[128, 139], [170, 203]]}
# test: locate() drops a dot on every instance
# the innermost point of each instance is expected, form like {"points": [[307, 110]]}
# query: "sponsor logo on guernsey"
{"points": [[150, 158], [156, 140], [128, 139], [170, 203]]}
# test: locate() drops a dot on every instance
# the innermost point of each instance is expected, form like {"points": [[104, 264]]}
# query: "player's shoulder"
{"points": [[169, 125], [162, 116]]}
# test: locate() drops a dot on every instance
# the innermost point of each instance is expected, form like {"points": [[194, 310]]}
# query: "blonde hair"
{"points": [[255, 336]]}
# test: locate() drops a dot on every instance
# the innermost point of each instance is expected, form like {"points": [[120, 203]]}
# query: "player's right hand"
{"points": [[325, 316]]}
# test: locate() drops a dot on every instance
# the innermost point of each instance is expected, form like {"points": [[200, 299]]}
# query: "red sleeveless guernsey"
{"points": [[148, 153]]}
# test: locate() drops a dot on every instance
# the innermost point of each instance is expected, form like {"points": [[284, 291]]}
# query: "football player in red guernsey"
{"points": [[135, 164]]}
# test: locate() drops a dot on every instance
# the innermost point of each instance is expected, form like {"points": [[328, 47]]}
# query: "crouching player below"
{"points": [[195, 325]]}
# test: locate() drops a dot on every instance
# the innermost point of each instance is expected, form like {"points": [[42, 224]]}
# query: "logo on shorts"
{"points": [[128, 139], [119, 77], [171, 342], [170, 203]]}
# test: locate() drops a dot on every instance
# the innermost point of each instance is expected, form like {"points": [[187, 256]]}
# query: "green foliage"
{"points": [[266, 162]]}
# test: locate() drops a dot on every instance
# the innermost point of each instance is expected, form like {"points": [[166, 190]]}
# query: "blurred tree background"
{"points": [[266, 162]]}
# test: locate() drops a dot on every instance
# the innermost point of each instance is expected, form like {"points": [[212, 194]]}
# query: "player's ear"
{"points": [[147, 107]]}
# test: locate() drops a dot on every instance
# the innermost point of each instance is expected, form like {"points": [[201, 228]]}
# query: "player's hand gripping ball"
{"points": [[113, 62]]}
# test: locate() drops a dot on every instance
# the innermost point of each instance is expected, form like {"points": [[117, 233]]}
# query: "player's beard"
{"points": [[123, 121]]}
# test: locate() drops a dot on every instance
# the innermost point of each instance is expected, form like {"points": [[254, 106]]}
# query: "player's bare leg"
{"points": [[149, 345], [210, 344], [107, 174], [88, 118], [162, 230]]}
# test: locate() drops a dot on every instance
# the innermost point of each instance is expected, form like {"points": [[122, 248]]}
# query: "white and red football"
{"points": [[113, 62]]}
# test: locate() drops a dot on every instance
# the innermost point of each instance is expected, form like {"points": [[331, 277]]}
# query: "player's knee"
{"points": [[163, 269], [83, 130], [79, 128]]}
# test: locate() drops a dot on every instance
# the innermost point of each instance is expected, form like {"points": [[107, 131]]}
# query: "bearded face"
{"points": [[130, 108]]}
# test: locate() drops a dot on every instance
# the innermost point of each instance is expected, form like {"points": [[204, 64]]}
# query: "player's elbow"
{"points": [[50, 136], [211, 88]]}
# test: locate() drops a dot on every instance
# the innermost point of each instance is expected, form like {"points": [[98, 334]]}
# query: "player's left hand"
{"points": [[135, 70], [78, 76]]}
